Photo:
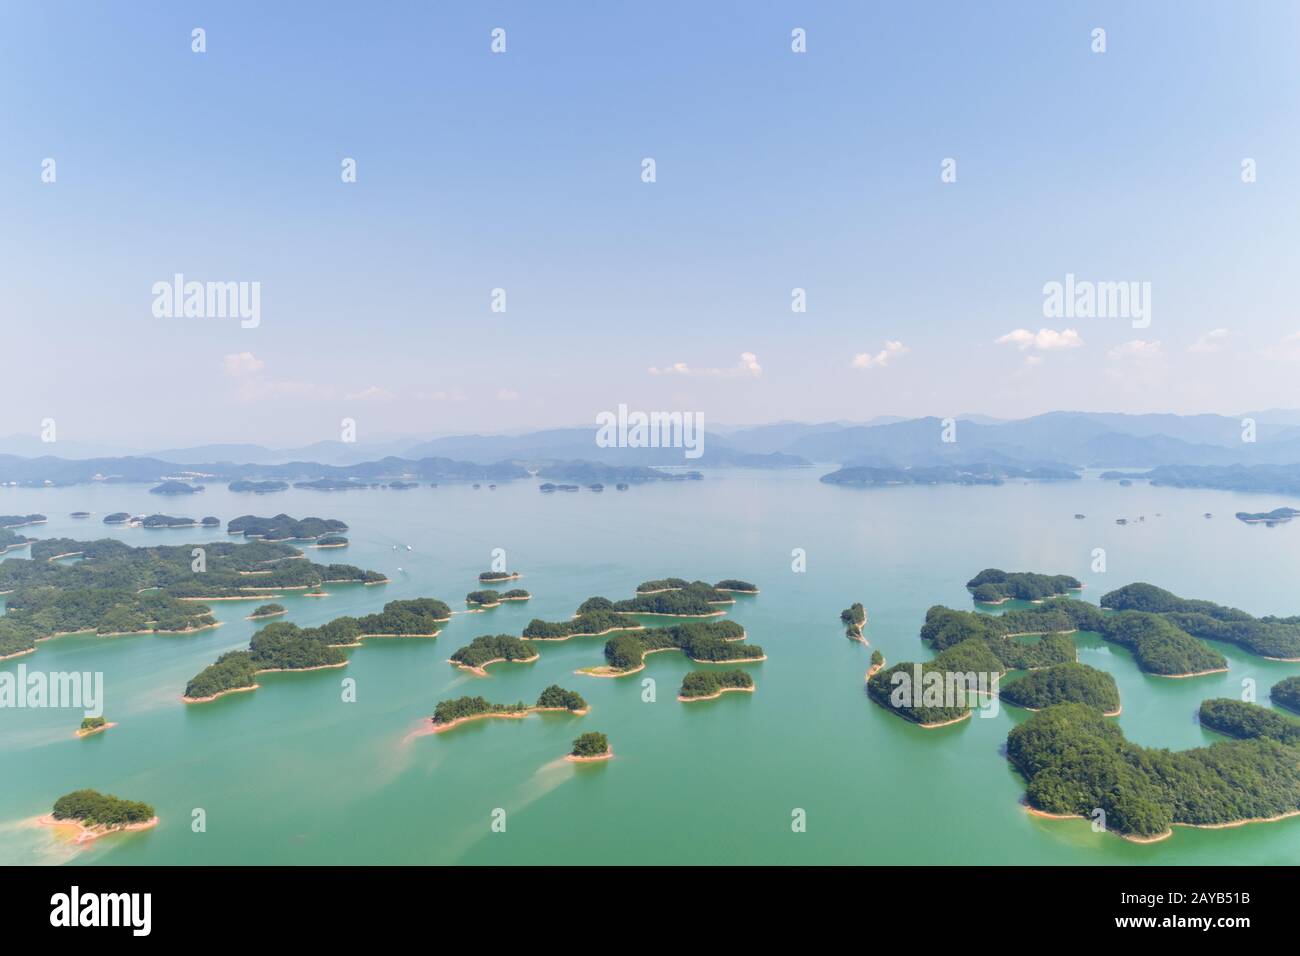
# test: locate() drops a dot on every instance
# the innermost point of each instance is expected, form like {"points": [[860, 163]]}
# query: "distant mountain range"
{"points": [[1051, 442]]}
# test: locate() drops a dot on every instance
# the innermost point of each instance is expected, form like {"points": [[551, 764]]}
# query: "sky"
{"points": [[523, 170]]}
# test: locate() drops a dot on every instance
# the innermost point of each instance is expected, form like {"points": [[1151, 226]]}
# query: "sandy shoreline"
{"points": [[574, 758], [218, 695], [87, 834], [95, 730], [947, 723], [1290, 814], [481, 669], [1216, 670], [875, 669], [259, 617], [427, 726], [608, 630], [688, 700]]}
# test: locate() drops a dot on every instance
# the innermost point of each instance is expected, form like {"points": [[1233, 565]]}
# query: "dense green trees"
{"points": [[267, 610], [698, 684], [1267, 636], [459, 708], [489, 598], [421, 617], [960, 664], [945, 628], [491, 577], [19, 521], [1063, 683], [93, 808], [1159, 647], [1286, 693], [993, 585], [281, 527], [737, 585], [494, 647], [93, 723], [229, 570], [1077, 761], [556, 696], [35, 613], [662, 584], [1245, 721], [233, 670], [9, 541], [853, 618], [712, 641], [693, 599], [593, 744], [586, 623]]}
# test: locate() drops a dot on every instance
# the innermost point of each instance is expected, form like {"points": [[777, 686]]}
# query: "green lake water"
{"points": [[290, 773]]}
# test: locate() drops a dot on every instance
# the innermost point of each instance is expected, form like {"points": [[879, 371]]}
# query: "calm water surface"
{"points": [[291, 774]]}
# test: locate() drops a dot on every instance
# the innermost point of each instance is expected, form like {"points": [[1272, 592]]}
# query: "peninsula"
{"points": [[491, 649]]}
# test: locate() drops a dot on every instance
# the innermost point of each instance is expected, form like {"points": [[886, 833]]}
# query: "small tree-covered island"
{"points": [[267, 610], [496, 577], [1077, 763], [994, 586], [713, 642], [590, 747], [854, 619], [492, 649], [710, 685], [487, 598], [281, 527], [669, 597], [283, 646], [93, 725], [452, 713], [91, 814]]}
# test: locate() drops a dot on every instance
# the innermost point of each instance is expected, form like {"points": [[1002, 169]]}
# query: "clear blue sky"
{"points": [[775, 170]]}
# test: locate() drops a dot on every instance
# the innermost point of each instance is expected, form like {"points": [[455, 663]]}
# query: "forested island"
{"points": [[705, 643], [117, 517], [267, 610], [488, 598], [258, 487], [21, 521], [1277, 479], [495, 577], [1270, 518], [491, 649], [993, 586], [330, 541], [590, 624], [854, 619], [95, 814], [282, 527], [167, 521], [1064, 683], [708, 685], [116, 588], [1277, 638], [284, 646], [736, 585], [1145, 791], [451, 713], [1286, 693], [688, 599], [972, 474], [93, 725], [175, 488], [590, 746]]}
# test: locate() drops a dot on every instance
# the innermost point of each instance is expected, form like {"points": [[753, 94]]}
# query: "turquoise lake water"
{"points": [[290, 773]]}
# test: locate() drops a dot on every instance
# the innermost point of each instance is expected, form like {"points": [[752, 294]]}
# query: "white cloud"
{"points": [[1135, 350], [1213, 341], [1046, 340], [239, 364], [892, 350], [373, 393], [747, 367], [1287, 350]]}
